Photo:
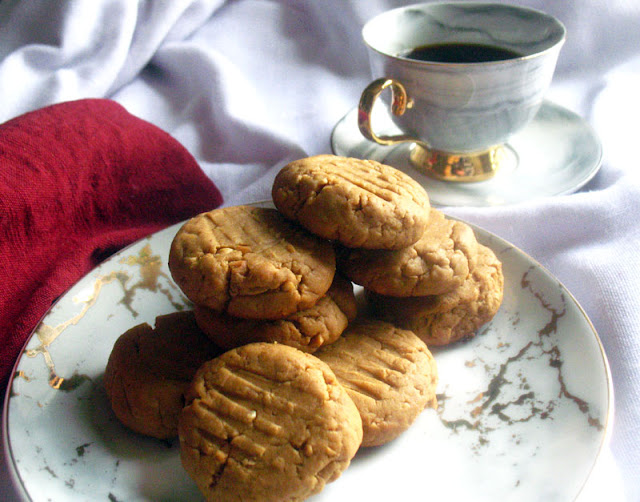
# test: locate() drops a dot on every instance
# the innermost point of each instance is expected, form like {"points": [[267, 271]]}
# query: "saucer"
{"points": [[556, 154]]}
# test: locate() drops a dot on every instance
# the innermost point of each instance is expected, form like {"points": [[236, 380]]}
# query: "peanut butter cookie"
{"points": [[438, 263], [250, 262], [389, 373], [306, 330], [444, 319], [267, 422], [149, 370], [360, 203]]}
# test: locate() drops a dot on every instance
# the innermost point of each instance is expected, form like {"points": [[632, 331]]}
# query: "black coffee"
{"points": [[460, 53]]}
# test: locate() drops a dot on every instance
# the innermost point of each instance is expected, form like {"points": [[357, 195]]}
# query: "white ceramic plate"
{"points": [[556, 154], [525, 407]]}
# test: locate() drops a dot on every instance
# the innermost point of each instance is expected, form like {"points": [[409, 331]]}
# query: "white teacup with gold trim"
{"points": [[463, 78]]}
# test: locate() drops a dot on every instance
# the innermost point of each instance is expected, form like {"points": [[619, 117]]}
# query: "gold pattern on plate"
{"points": [[509, 399], [150, 271]]}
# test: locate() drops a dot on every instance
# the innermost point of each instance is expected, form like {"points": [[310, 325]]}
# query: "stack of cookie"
{"points": [[274, 380], [255, 276], [261, 422], [419, 269], [445, 318]]}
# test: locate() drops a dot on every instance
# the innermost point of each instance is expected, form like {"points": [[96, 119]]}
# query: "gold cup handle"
{"points": [[400, 102]]}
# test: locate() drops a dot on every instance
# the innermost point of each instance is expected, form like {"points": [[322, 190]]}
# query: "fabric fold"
{"points": [[85, 49], [78, 181]]}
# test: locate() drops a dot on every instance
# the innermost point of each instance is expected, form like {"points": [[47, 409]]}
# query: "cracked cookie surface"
{"points": [[389, 373], [438, 263], [150, 368], [306, 330], [359, 203], [250, 262], [267, 422], [444, 319]]}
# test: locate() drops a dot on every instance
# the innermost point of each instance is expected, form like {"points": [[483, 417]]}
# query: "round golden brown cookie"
{"points": [[360, 203], [439, 262], [149, 369], [306, 330], [444, 319], [389, 373], [250, 262], [267, 422]]}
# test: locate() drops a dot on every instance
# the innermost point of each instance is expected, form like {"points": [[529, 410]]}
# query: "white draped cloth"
{"points": [[246, 85]]}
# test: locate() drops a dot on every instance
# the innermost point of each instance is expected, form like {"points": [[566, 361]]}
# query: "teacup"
{"points": [[482, 77]]}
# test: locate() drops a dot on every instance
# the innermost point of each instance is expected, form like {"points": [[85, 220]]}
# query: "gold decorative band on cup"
{"points": [[458, 167]]}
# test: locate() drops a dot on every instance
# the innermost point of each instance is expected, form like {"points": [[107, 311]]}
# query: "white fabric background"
{"points": [[246, 85]]}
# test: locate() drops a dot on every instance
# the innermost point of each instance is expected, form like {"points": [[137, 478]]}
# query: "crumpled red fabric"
{"points": [[78, 181]]}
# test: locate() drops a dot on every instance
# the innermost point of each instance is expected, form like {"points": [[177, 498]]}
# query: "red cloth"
{"points": [[78, 181]]}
